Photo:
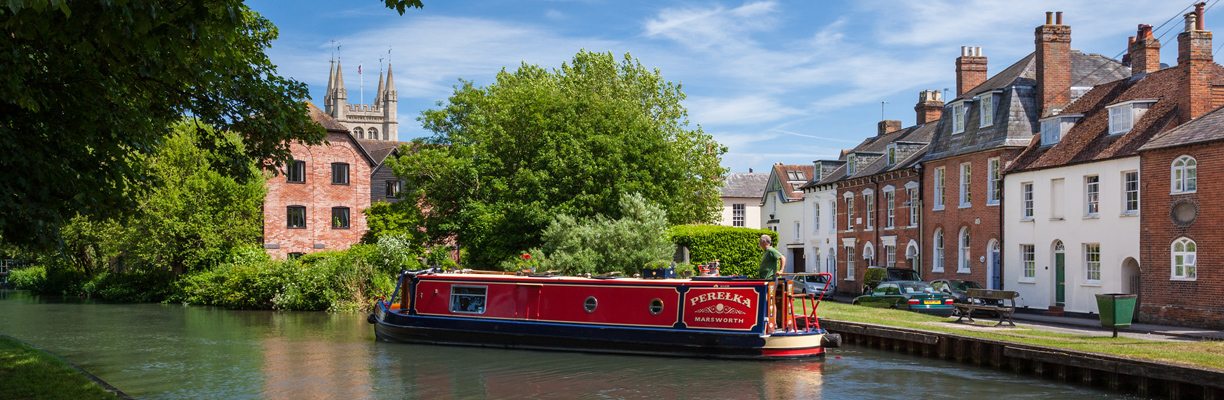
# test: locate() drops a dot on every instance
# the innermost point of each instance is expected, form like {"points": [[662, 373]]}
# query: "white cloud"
{"points": [[554, 15], [750, 109]]}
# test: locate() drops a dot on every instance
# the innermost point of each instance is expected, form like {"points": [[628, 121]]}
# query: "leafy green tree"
{"points": [[198, 214], [89, 88], [599, 245], [401, 219], [539, 143]]}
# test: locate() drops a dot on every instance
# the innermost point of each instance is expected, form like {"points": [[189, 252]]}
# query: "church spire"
{"points": [[339, 85], [379, 94], [331, 82], [389, 90]]}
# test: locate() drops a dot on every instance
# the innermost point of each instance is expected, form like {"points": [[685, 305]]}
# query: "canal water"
{"points": [[155, 351]]}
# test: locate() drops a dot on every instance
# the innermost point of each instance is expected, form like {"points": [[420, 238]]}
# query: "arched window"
{"points": [[869, 254], [1185, 175], [963, 242], [1185, 254], [359, 133], [373, 133], [938, 252]]}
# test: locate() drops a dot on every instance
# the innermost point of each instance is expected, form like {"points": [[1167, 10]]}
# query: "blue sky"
{"points": [[774, 81]]}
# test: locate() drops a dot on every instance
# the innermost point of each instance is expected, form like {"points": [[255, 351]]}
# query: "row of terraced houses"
{"points": [[1063, 176]]}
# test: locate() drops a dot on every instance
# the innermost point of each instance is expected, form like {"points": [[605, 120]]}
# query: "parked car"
{"points": [[877, 275], [814, 284], [916, 296], [958, 289]]}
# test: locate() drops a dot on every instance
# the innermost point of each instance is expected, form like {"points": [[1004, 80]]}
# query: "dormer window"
{"points": [[796, 175], [1052, 128], [989, 101], [892, 154], [850, 164], [958, 117], [1122, 116]]}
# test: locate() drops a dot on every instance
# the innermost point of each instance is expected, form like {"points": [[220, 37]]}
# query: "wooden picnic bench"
{"points": [[974, 295]]}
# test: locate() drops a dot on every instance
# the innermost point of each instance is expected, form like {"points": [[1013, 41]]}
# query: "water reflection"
{"points": [[169, 351]]}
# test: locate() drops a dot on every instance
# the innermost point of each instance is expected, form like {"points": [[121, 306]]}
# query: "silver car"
{"points": [[810, 284]]}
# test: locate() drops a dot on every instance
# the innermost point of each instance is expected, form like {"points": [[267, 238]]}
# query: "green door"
{"points": [[1060, 279]]}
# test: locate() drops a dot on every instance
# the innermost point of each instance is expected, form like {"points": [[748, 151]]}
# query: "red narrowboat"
{"points": [[723, 317]]}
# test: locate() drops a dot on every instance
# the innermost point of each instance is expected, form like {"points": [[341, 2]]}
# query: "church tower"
{"points": [[366, 121]]}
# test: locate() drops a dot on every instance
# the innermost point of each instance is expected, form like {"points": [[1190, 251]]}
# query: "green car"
{"points": [[908, 295]]}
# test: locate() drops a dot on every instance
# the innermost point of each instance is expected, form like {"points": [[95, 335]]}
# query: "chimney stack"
{"points": [[1053, 59], [887, 126], [970, 69], [1194, 52], [930, 106], [1144, 51]]}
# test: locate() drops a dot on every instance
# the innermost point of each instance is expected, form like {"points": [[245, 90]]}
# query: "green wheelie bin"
{"points": [[1117, 310]]}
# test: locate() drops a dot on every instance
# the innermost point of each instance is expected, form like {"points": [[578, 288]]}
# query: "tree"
{"points": [[601, 245], [538, 143], [90, 87]]}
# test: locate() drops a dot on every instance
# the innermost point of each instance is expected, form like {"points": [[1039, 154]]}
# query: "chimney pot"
{"points": [[1049, 18], [750, 170], [1058, 18], [1198, 12]]}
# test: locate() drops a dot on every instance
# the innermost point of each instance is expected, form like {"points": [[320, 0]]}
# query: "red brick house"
{"points": [[1180, 214], [878, 190], [317, 203], [980, 132]]}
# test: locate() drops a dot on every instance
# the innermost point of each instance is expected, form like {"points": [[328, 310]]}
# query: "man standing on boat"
{"points": [[771, 260]]}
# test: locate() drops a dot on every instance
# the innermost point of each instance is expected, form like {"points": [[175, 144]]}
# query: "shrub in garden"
{"points": [[600, 245], [737, 249]]}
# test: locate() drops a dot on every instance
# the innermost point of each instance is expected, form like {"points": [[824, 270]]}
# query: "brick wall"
{"points": [[1162, 299], [318, 195], [982, 220], [880, 230]]}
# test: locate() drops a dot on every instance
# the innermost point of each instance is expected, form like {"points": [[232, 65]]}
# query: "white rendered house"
{"points": [[783, 211]]}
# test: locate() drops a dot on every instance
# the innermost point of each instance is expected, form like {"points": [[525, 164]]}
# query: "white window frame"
{"points": [[850, 169], [739, 214], [966, 179], [869, 205], [1121, 118], [1184, 261], [994, 181], [1130, 192], [869, 253], [937, 262], [892, 154], [1184, 175], [913, 206], [941, 187], [963, 242], [816, 216], [850, 263], [890, 197], [798, 232], [833, 215], [989, 102], [1028, 261], [1092, 263], [849, 211], [890, 256], [958, 117], [1026, 190], [1051, 131], [1092, 195]]}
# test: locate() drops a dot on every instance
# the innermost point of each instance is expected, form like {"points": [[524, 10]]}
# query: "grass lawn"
{"points": [[29, 373], [1199, 353]]}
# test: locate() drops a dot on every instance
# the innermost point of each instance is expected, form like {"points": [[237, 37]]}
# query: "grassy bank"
{"points": [[1199, 353], [29, 373]]}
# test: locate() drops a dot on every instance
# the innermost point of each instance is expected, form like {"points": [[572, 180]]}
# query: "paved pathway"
{"points": [[1091, 327]]}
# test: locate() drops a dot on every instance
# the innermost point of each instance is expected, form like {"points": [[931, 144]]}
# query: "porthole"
{"points": [[590, 304], [1184, 212], [656, 306]]}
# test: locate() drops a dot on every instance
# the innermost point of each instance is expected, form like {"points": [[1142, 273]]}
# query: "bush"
{"points": [[738, 250], [136, 286], [51, 276], [29, 278], [600, 245]]}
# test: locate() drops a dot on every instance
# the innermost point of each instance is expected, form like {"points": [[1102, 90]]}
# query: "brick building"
{"points": [[878, 185], [980, 132], [317, 203], [1182, 279]]}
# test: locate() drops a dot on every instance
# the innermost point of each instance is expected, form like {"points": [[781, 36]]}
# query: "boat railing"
{"points": [[808, 318]]}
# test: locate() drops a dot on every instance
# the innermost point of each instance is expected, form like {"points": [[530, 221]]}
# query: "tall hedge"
{"points": [[736, 249]]}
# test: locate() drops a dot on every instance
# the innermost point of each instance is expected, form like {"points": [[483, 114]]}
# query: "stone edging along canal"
{"points": [[105, 386], [1119, 373]]}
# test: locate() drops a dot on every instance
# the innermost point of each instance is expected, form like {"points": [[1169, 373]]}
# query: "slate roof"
{"points": [[1206, 128], [792, 189], [380, 149], [917, 134], [329, 124], [1089, 139], [744, 184], [1016, 117]]}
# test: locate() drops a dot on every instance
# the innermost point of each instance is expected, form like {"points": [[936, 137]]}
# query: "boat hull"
{"points": [[395, 327]]}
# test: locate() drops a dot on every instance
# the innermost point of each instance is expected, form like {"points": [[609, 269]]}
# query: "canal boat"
{"points": [[721, 317]]}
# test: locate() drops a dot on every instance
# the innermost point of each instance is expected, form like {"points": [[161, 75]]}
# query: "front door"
{"points": [[800, 265], [1060, 279], [996, 266]]}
